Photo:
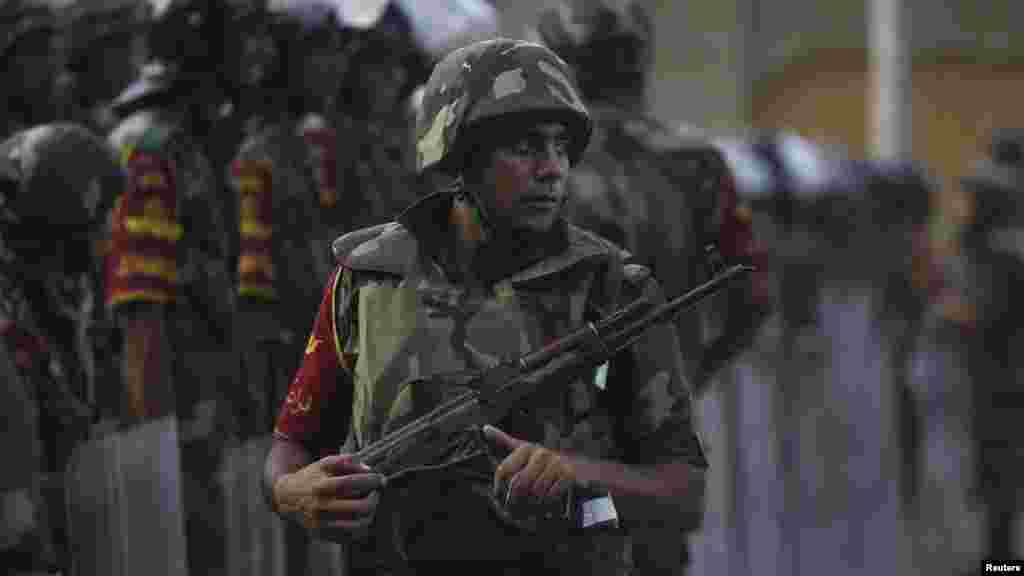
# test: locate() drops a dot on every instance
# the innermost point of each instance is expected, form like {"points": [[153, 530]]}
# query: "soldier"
{"points": [[105, 46], [992, 252], [168, 286], [467, 276], [666, 196], [282, 257], [831, 364], [30, 61], [45, 366], [58, 184], [385, 65]]}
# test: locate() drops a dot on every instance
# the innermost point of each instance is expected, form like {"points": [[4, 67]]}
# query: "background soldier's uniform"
{"points": [[277, 276], [663, 196], [277, 287], [387, 317], [995, 265], [168, 250], [51, 325]]}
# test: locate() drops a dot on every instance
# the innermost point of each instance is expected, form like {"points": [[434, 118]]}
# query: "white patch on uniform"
{"points": [[601, 376], [508, 83]]}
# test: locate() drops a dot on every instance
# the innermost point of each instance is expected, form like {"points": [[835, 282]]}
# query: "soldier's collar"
{"points": [[506, 259]]}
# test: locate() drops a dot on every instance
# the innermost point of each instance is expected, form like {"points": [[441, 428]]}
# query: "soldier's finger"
{"points": [[342, 464], [510, 466], [546, 480], [502, 439], [351, 486]]}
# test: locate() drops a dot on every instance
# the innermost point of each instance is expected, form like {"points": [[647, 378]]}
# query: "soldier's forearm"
{"points": [[673, 480]]}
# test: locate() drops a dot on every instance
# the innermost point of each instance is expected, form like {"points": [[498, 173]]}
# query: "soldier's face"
{"points": [[523, 185]]}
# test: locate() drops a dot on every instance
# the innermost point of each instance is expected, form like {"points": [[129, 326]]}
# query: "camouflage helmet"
{"points": [[21, 18], [491, 80], [91, 25], [57, 180], [607, 42]]}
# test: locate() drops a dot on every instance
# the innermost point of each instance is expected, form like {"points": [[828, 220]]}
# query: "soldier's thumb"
{"points": [[501, 439]]}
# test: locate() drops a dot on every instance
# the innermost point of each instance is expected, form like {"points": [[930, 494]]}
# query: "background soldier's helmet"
{"points": [[487, 84], [997, 184], [22, 18], [302, 29], [607, 43], [95, 26], [385, 61], [190, 45], [57, 184]]}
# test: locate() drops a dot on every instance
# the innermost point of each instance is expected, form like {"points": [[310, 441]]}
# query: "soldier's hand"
{"points": [[530, 473], [335, 497]]}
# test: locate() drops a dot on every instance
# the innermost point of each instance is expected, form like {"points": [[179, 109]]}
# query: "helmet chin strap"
{"points": [[480, 225]]}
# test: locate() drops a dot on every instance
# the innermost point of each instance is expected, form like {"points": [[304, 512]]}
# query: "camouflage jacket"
{"points": [[169, 244], [391, 314], [281, 265], [669, 200]]}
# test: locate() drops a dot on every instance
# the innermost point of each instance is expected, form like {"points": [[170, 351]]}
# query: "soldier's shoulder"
{"points": [[384, 248], [144, 131]]}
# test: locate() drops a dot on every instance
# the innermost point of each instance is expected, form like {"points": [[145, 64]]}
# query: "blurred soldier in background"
{"points": [[30, 62], [170, 292], [665, 197], [55, 186], [994, 313], [832, 362], [289, 47], [384, 65], [106, 47]]}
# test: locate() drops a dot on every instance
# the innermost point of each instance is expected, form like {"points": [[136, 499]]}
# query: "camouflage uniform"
{"points": [[666, 197], [169, 265], [393, 312], [992, 252], [59, 183]]}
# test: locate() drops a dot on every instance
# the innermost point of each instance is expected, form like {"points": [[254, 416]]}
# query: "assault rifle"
{"points": [[426, 442]]}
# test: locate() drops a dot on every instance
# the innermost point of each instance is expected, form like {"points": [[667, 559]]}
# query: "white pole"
{"points": [[890, 116]]}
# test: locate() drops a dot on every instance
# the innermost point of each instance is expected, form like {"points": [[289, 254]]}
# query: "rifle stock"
{"points": [[493, 393]]}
